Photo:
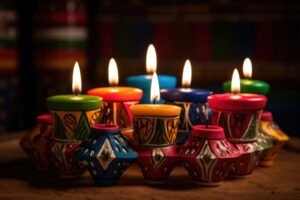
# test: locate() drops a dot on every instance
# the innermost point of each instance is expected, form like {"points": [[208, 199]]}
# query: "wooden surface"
{"points": [[19, 181]]}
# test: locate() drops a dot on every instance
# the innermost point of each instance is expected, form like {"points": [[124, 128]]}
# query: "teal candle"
{"points": [[144, 81], [247, 85]]}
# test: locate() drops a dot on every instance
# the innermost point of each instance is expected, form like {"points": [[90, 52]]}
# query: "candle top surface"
{"points": [[244, 101], [73, 102], [249, 86], [113, 94], [185, 95], [209, 132], [161, 110], [144, 81]]}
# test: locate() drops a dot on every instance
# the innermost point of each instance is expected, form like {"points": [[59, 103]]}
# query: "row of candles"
{"points": [[154, 129]]}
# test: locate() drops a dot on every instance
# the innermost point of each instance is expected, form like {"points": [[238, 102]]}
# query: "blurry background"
{"points": [[40, 41]]}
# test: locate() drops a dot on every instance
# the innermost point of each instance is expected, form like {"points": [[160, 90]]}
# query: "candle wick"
{"points": [[76, 92], [154, 100]]}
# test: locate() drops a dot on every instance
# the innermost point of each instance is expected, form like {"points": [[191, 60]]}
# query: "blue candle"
{"points": [[192, 101], [144, 81]]}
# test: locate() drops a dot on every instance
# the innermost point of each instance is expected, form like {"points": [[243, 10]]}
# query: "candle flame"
{"points": [[151, 60], [76, 82], [187, 74], [247, 68], [235, 82], [113, 74], [154, 93]]}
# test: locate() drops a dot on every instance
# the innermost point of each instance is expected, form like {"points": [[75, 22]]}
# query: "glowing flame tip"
{"points": [[235, 82]]}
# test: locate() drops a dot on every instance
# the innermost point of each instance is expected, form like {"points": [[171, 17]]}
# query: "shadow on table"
{"points": [[21, 169]]}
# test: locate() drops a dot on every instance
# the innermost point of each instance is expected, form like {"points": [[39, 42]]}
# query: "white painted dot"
{"points": [[118, 164], [92, 153], [86, 151], [187, 151], [115, 172]]}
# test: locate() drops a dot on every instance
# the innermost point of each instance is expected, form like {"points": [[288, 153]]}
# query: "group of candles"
{"points": [[152, 127]]}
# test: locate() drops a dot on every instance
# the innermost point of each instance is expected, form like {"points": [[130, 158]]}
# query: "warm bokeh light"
{"points": [[155, 92], [151, 60], [235, 82], [247, 68], [76, 82], [113, 74], [187, 74]]}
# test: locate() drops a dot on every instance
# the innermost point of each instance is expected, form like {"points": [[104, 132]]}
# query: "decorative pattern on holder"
{"points": [[74, 125], [246, 163], [117, 113], [191, 114], [238, 126], [155, 131], [64, 159], [207, 155], [157, 163], [106, 154]]}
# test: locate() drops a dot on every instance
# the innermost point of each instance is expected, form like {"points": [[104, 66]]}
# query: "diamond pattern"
{"points": [[106, 155]]}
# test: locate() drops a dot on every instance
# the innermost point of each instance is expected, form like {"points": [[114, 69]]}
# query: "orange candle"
{"points": [[117, 101]]}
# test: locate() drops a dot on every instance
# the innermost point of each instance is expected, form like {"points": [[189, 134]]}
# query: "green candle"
{"points": [[248, 85], [73, 102], [74, 115]]}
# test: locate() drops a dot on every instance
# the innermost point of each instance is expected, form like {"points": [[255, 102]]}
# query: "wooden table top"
{"points": [[18, 180]]}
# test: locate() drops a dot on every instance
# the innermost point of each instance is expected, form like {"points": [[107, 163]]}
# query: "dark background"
{"points": [[215, 35]]}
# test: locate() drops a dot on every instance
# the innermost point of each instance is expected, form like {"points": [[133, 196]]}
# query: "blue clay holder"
{"points": [[106, 154]]}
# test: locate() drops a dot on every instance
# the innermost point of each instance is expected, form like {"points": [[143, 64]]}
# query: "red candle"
{"points": [[117, 102], [238, 114]]}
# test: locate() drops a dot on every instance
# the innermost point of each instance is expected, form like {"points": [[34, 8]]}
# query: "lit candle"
{"points": [[144, 81], [73, 117], [74, 114], [248, 85], [155, 125], [238, 114], [117, 101], [192, 101]]}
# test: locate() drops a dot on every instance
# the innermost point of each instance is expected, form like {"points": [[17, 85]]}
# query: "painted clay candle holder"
{"points": [[238, 114], [117, 102], [278, 138], [207, 155], [155, 125], [155, 129], [106, 154], [73, 117], [36, 143], [245, 164]]}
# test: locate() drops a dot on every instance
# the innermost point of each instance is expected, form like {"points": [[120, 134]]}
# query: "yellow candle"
{"points": [[155, 125], [161, 110]]}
